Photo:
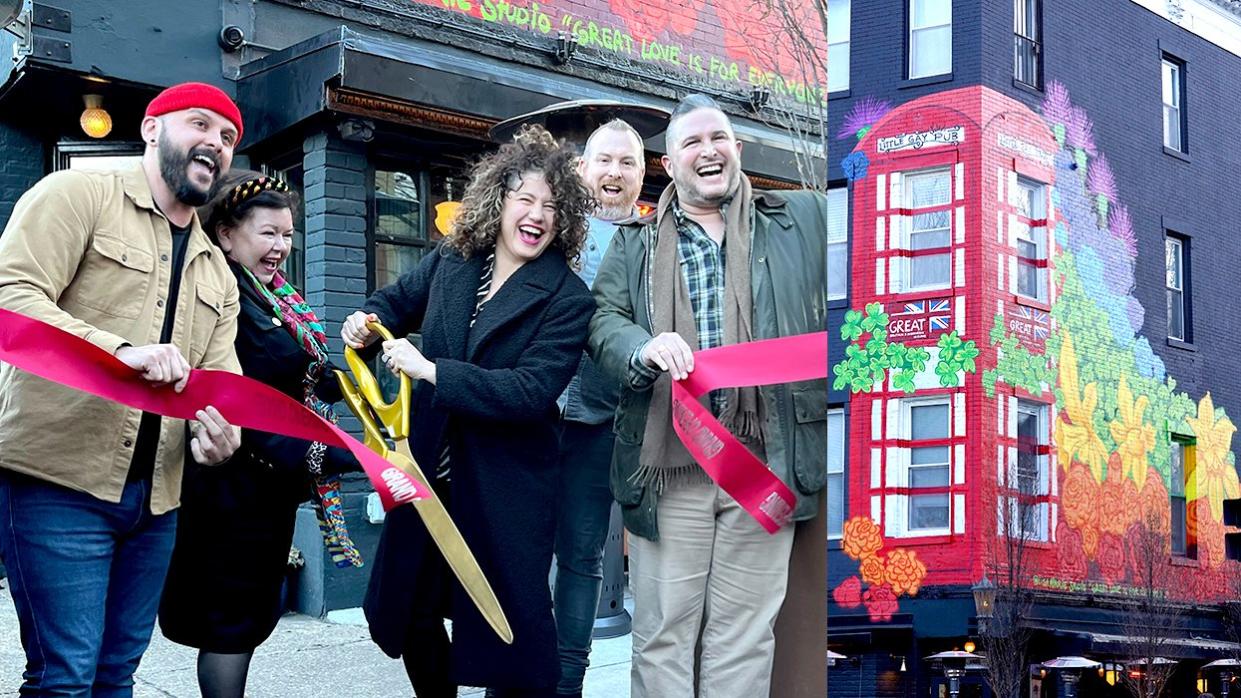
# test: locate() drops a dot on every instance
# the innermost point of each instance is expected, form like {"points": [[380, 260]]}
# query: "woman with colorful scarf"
{"points": [[223, 593]]}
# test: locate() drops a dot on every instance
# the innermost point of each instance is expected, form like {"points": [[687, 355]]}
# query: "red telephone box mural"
{"points": [[1000, 385]]}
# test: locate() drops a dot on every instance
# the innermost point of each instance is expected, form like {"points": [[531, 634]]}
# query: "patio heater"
{"points": [[1070, 670], [953, 663], [1228, 670]]}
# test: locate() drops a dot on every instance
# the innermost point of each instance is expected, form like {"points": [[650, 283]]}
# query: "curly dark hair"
{"points": [[477, 224], [221, 209]]}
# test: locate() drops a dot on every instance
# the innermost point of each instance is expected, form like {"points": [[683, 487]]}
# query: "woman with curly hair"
{"points": [[503, 320]]}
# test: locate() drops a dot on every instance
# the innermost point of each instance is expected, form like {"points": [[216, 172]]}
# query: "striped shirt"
{"points": [[484, 287]]}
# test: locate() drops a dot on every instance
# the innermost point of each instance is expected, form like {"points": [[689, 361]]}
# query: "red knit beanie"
{"points": [[189, 95]]}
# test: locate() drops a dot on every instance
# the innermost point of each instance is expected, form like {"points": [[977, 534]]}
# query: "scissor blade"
{"points": [[450, 543]]}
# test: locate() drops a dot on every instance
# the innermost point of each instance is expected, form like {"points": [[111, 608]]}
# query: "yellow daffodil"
{"points": [[1215, 477], [1077, 439], [1134, 438]]}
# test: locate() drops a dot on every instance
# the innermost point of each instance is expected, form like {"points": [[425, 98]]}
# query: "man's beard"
{"points": [[174, 168], [616, 211], [613, 213], [696, 193]]}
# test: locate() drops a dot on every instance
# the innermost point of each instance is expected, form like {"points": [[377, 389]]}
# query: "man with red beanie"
{"points": [[89, 488]]}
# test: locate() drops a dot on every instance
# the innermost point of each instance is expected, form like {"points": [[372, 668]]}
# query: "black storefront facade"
{"points": [[373, 109]]}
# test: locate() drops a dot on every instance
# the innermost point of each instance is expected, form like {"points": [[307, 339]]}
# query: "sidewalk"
{"points": [[305, 657]]}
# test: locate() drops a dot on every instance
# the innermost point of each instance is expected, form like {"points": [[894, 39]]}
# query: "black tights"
{"points": [[223, 675], [426, 660]]}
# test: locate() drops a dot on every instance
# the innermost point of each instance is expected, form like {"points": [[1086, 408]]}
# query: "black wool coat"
{"points": [[495, 405], [236, 520]]}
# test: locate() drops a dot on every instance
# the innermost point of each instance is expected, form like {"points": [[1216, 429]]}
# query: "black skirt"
{"points": [[234, 530]]}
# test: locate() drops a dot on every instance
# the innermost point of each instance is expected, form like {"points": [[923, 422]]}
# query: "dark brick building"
{"points": [[1033, 362]]}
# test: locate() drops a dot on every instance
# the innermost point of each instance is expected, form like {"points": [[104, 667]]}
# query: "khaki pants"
{"points": [[714, 576]]}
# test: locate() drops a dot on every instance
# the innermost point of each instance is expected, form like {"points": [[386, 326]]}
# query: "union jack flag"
{"points": [[1038, 318]]}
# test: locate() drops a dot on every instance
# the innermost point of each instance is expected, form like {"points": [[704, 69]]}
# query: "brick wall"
{"points": [[21, 165], [729, 43]]}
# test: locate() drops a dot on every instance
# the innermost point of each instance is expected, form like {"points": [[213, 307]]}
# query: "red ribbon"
{"points": [[64, 358], [730, 464]]}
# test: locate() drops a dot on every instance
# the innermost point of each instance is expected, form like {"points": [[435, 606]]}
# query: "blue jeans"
{"points": [[584, 509], [86, 578]]}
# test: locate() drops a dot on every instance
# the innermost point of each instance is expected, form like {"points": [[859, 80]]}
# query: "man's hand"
{"points": [[214, 439], [668, 352], [402, 357], [355, 332], [161, 364]]}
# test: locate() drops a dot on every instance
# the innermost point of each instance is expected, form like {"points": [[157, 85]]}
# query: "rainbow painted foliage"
{"points": [[1118, 409]]}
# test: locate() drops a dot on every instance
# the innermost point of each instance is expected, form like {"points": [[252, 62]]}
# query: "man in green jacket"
{"points": [[718, 263]]}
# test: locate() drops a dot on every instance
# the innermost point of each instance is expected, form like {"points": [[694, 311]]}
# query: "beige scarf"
{"points": [[664, 458]]}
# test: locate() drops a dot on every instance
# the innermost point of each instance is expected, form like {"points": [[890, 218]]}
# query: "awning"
{"points": [[438, 86], [1175, 648]]}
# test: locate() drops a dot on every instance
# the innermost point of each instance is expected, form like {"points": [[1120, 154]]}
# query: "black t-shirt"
{"points": [[142, 465]]}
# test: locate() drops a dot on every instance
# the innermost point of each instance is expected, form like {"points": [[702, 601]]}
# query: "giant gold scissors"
{"points": [[379, 416]]}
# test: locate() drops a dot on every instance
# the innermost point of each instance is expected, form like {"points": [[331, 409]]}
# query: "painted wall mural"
{"points": [[1073, 348], [726, 42]]}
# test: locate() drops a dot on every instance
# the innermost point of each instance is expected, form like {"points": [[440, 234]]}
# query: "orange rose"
{"points": [[1090, 541], [1208, 532], [872, 570], [862, 538], [1118, 501], [1155, 511], [904, 572], [1079, 495]]}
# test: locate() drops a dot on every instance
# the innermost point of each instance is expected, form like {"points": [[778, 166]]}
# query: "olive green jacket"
{"points": [[789, 285]]}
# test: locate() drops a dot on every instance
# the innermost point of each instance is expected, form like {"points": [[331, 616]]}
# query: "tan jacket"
{"points": [[90, 253]]}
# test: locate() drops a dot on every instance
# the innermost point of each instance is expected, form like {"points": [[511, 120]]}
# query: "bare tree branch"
{"points": [[1153, 619]]}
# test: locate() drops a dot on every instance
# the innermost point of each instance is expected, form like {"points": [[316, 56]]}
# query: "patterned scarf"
{"points": [[663, 457], [296, 317]]}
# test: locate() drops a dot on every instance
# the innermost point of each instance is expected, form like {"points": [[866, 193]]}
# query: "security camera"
{"points": [[232, 38]]}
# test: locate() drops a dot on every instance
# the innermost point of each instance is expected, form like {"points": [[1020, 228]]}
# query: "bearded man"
{"points": [[612, 167], [718, 263], [89, 488]]}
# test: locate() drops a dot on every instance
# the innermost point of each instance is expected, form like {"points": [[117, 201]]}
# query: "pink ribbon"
{"points": [[64, 358], [730, 464]]}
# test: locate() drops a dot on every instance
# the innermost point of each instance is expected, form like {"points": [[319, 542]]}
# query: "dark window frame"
{"points": [[1182, 107], [1028, 42], [1187, 315], [1187, 545]]}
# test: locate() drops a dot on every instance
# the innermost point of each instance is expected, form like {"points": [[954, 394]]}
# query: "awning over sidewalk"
{"points": [[436, 86], [1173, 648]]}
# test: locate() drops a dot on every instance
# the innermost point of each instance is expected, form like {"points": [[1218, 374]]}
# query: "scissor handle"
{"points": [[395, 414]]}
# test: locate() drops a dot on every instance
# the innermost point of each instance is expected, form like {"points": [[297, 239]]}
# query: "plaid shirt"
{"points": [[702, 264]]}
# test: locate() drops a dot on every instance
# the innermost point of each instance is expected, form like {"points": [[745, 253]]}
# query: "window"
{"points": [[1031, 233], [838, 24], [1174, 104], [1176, 264], [929, 465], [1028, 515], [835, 472], [1027, 42], [97, 156], [930, 38], [401, 236], [930, 232], [1184, 541], [837, 243]]}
